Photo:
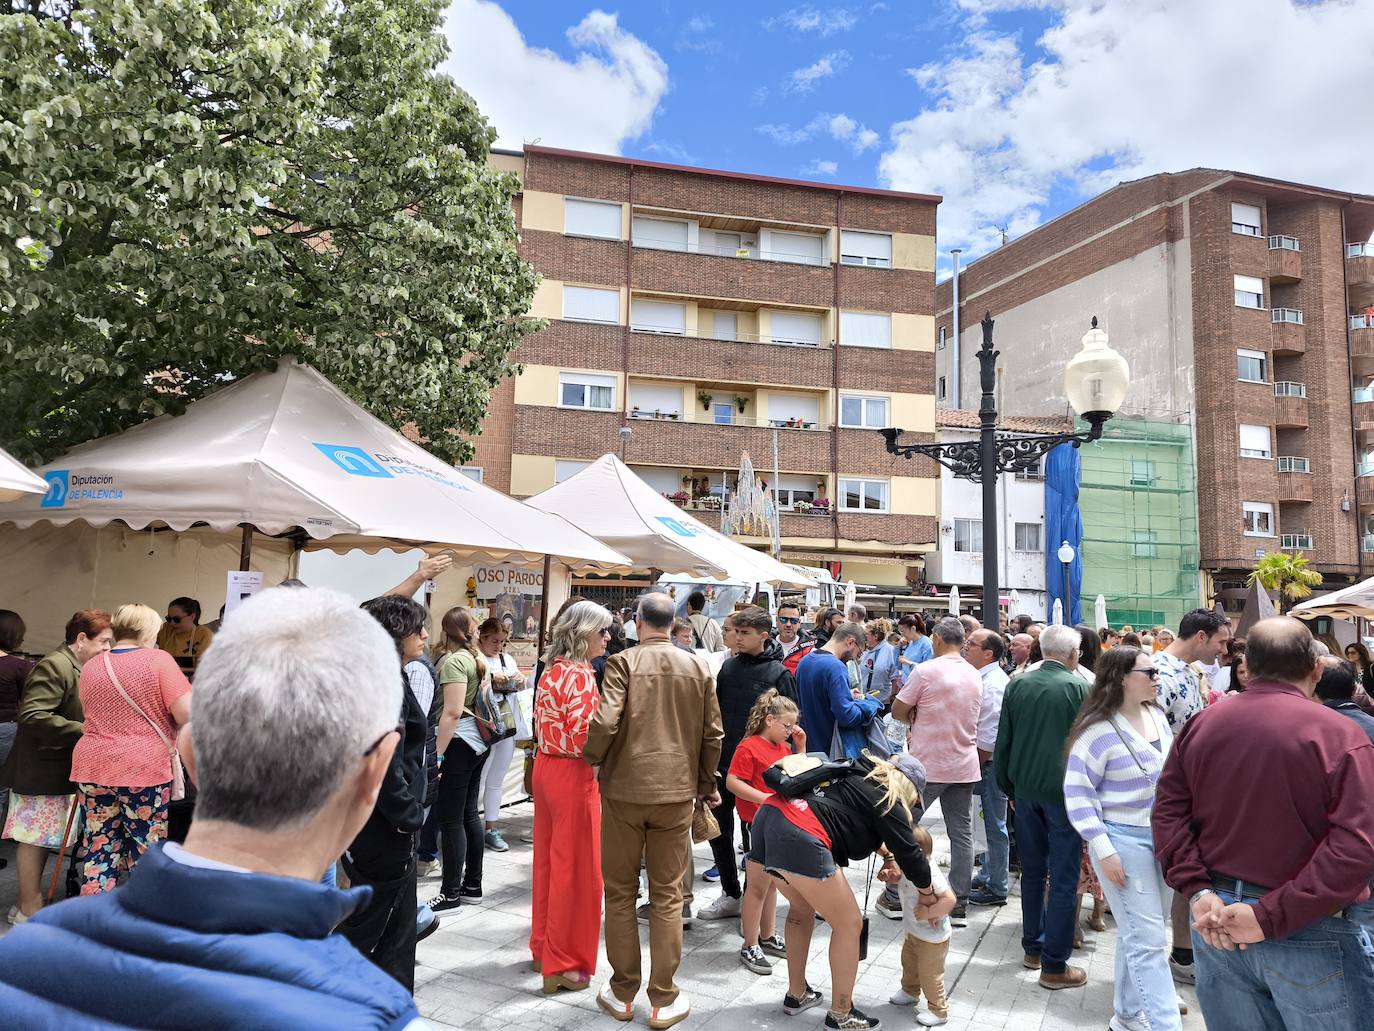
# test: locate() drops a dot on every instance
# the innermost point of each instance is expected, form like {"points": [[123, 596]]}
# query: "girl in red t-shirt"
{"points": [[769, 734]]}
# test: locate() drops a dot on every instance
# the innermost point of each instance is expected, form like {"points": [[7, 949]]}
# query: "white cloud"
{"points": [[803, 80], [1124, 91], [818, 167], [785, 135], [607, 94], [864, 139], [842, 126], [696, 35], [812, 19]]}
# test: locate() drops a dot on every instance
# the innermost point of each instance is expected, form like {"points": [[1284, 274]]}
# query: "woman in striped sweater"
{"points": [[1116, 751]]}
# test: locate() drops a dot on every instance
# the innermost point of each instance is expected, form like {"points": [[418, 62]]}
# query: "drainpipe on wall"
{"points": [[835, 380], [953, 385], [1350, 379], [629, 304]]}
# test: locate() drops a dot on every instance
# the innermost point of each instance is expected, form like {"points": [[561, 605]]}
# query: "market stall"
{"points": [[16, 480]]}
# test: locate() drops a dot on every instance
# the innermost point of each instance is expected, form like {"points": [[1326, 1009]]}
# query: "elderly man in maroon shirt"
{"points": [[1263, 821]]}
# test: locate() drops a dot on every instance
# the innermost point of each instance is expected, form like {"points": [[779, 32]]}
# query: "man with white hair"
{"points": [[292, 732], [1038, 710]]}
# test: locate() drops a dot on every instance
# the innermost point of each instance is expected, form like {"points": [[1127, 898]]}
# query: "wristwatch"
{"points": [[1192, 900]]}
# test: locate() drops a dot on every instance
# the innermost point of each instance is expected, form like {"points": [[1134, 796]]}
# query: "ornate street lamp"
{"points": [[1095, 383]]}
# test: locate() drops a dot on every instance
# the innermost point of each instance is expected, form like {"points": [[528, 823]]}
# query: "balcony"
{"points": [[1285, 260], [1362, 343], [1295, 542], [748, 360], [1367, 543], [1294, 481], [1364, 489], [1364, 410], [1287, 331], [663, 442], [1359, 264], [1290, 405], [707, 273]]}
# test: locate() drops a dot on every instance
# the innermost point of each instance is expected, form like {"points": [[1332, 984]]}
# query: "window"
{"points": [[790, 328], [1254, 442], [798, 248], [581, 390], [658, 317], [864, 413], [1245, 219], [968, 536], [790, 489], [472, 472], [589, 304], [566, 470], [863, 495], [1249, 292], [665, 481], [1252, 366], [1144, 545], [591, 218], [940, 389], [1025, 535], [872, 249], [940, 341], [655, 401], [662, 234], [726, 325], [1035, 472], [794, 410], [1258, 517], [723, 413], [861, 329], [727, 245], [1142, 472]]}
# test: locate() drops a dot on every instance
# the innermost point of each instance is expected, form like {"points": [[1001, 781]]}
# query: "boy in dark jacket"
{"points": [[383, 853], [755, 667]]}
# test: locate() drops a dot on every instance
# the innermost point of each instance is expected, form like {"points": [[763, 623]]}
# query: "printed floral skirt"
{"points": [[38, 819], [120, 824]]}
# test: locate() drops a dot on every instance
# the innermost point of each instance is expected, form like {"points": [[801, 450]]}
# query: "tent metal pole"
{"points": [[544, 603], [246, 548]]}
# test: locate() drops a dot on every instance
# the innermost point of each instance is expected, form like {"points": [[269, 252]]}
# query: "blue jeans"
{"points": [[1319, 977], [1143, 987], [993, 873], [1050, 847]]}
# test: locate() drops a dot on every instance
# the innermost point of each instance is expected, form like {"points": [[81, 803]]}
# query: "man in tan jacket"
{"points": [[656, 737]]}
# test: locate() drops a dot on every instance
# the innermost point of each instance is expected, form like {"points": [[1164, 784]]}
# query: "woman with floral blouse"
{"points": [[566, 924]]}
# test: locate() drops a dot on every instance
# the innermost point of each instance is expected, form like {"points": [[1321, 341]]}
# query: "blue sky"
{"points": [[1013, 110]]}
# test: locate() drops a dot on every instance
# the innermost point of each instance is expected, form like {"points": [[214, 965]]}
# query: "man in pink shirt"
{"points": [[941, 700]]}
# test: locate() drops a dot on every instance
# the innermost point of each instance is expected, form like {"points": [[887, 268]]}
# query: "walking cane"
{"points": [[61, 852]]}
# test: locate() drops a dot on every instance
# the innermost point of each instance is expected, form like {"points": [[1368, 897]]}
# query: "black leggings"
{"points": [[723, 844], [460, 827]]}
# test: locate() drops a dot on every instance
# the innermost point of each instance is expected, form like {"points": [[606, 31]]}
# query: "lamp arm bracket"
{"points": [[1012, 452]]}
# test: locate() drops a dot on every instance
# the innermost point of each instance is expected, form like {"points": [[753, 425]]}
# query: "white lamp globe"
{"points": [[1066, 553], [1097, 376]]}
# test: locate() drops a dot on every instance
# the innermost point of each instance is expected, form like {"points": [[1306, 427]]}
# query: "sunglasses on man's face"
{"points": [[789, 620]]}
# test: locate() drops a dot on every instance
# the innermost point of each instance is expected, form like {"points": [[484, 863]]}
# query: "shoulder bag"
{"points": [[178, 775]]}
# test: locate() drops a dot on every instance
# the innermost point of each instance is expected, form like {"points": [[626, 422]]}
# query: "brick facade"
{"points": [[728, 282], [1195, 207]]}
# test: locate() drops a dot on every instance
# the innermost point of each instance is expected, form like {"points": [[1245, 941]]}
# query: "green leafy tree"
{"points": [[1287, 574], [191, 188]]}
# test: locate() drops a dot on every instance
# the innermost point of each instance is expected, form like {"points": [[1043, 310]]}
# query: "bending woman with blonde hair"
{"points": [[462, 753], [803, 841], [566, 915]]}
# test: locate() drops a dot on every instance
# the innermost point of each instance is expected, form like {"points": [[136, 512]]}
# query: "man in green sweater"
{"points": [[1038, 710]]}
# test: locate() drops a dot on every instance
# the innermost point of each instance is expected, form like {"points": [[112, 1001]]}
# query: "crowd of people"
{"points": [[1212, 793]]}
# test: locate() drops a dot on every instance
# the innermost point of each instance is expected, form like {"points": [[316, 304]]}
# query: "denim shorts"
{"points": [[783, 848]]}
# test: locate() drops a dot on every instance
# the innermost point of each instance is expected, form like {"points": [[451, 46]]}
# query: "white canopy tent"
{"points": [[615, 506], [1351, 602], [16, 480], [282, 453]]}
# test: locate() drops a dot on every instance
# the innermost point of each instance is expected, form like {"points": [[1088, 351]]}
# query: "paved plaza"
{"points": [[474, 972]]}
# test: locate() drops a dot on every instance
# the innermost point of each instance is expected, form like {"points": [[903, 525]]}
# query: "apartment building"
{"points": [[1245, 306], [697, 315]]}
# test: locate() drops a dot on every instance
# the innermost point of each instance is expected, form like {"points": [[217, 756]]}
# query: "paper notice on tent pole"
{"points": [[242, 585]]}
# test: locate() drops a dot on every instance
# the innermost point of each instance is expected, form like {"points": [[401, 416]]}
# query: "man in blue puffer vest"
{"points": [[293, 726]]}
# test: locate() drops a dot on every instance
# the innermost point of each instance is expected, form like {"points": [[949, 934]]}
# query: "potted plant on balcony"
{"points": [[821, 505], [741, 402], [678, 497], [705, 400], [802, 506]]}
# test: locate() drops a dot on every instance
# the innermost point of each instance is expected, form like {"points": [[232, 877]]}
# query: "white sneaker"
{"points": [[675, 1012], [901, 998], [15, 917], [623, 1011], [724, 908], [1120, 1023], [927, 1019], [1184, 973]]}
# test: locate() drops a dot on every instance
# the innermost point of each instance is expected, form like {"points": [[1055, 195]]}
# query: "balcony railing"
{"points": [[1292, 315], [1287, 388], [1295, 542], [1361, 322], [1359, 250], [655, 415], [753, 253], [1367, 542], [1291, 464], [746, 338], [1363, 394], [1284, 243], [735, 420]]}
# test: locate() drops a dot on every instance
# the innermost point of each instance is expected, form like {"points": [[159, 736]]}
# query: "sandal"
{"points": [[554, 982]]}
